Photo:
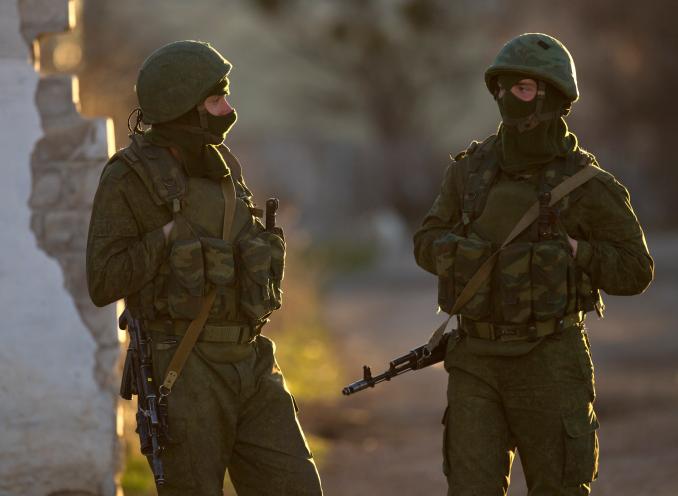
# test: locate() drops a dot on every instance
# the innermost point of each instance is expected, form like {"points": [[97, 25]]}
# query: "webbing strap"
{"points": [[196, 326], [518, 332], [559, 192]]}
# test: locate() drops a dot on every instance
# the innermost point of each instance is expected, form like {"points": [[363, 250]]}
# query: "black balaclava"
{"points": [[525, 146], [195, 134]]}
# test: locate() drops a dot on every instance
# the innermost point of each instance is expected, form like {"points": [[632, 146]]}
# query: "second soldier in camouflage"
{"points": [[521, 375]]}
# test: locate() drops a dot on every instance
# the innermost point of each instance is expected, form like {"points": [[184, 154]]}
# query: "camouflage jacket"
{"points": [[611, 251], [128, 256]]}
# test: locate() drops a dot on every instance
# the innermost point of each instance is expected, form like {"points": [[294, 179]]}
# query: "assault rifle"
{"points": [[419, 358], [137, 378]]}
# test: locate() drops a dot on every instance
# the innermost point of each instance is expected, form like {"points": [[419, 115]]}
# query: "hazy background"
{"points": [[348, 111]]}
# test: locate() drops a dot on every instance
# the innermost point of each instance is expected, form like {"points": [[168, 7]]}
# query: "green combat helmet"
{"points": [[176, 77], [540, 56]]}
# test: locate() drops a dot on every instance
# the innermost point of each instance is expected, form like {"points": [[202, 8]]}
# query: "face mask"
{"points": [[219, 126], [532, 133], [196, 144]]}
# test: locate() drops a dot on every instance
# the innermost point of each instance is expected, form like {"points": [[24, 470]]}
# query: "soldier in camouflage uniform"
{"points": [[521, 375], [158, 239]]}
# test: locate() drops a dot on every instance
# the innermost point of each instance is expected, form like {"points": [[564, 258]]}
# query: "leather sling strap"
{"points": [[559, 192], [196, 326]]}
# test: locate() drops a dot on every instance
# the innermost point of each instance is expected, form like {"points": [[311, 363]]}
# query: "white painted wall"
{"points": [[57, 428]]}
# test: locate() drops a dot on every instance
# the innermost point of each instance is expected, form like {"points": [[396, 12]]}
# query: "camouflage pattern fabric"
{"points": [[540, 56], [445, 250], [598, 215], [515, 286], [262, 261], [188, 279], [238, 416], [539, 403], [535, 396], [219, 262], [471, 254], [549, 270], [230, 407], [125, 237]]}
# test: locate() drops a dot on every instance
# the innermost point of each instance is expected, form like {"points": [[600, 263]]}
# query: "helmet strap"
{"points": [[535, 118]]}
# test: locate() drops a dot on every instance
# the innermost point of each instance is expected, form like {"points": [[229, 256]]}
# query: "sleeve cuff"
{"points": [[584, 254]]}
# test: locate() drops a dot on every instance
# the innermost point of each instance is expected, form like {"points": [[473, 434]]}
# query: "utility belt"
{"points": [[519, 332], [235, 332]]}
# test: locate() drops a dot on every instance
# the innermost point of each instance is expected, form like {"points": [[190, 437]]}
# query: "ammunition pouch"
{"points": [[457, 260], [530, 281], [186, 284], [260, 272], [549, 271], [219, 263]]}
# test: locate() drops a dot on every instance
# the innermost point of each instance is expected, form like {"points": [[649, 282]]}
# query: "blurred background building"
{"points": [[348, 112]]}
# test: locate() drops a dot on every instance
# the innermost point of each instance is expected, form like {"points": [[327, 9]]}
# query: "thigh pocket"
{"points": [[187, 280], [514, 281], [549, 279], [581, 446], [176, 458], [471, 254], [445, 249]]}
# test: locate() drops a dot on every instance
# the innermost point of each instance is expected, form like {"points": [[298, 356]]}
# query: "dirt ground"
{"points": [[387, 441]]}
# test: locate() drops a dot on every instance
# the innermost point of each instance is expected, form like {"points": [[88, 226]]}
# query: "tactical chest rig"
{"points": [[202, 270], [518, 290]]}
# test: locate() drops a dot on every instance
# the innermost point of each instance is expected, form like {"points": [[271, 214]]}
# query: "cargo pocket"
{"points": [[255, 291], [177, 458], [471, 254], [549, 279], [445, 249], [514, 282], [187, 280], [581, 446]]}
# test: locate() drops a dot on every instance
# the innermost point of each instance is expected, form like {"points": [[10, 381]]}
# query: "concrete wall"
{"points": [[58, 352]]}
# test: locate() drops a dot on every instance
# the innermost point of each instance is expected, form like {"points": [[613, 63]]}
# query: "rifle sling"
{"points": [[559, 192], [196, 326]]}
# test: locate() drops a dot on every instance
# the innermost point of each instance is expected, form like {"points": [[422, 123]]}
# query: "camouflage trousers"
{"points": [[236, 416], [540, 403]]}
